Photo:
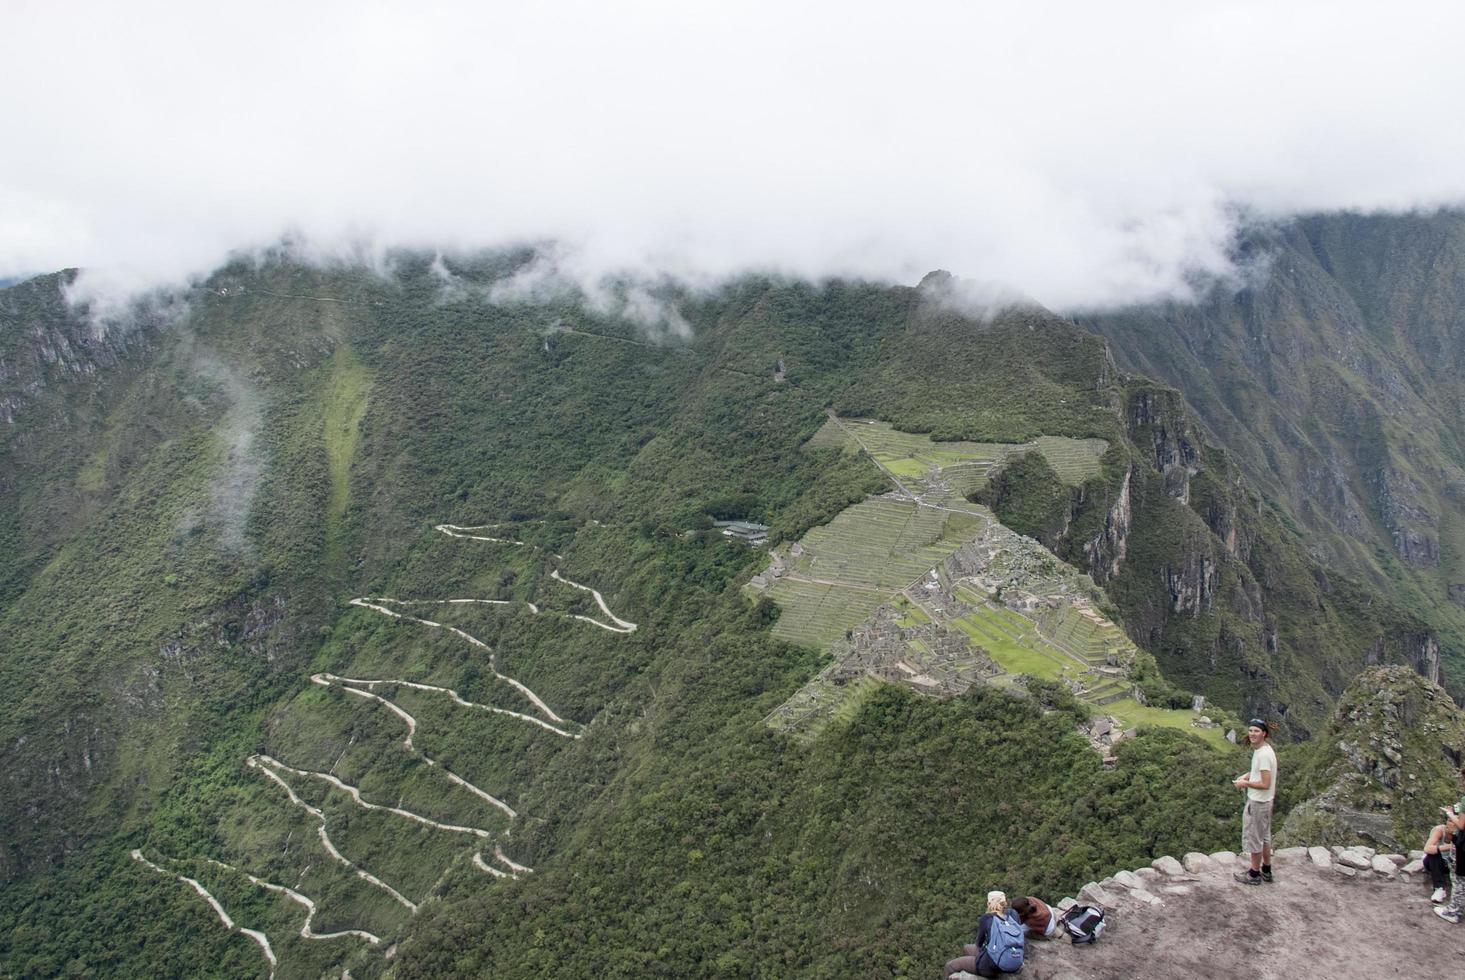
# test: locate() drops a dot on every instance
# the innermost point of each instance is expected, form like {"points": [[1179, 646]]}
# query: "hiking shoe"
{"points": [[1247, 878], [1267, 878], [1439, 896], [1449, 915]]}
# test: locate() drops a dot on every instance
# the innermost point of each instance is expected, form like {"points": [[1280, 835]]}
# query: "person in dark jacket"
{"points": [[976, 959]]}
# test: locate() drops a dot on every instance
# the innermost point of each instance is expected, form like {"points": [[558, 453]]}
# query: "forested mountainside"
{"points": [[387, 613], [1333, 375]]}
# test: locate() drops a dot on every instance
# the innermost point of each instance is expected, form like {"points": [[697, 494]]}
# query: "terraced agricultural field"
{"points": [[1082, 636], [888, 444], [883, 543], [859, 560], [1074, 460], [816, 614], [820, 702], [871, 552], [1131, 713]]}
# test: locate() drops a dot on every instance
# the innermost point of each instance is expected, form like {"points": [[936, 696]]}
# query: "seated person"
{"points": [[1036, 916], [1434, 861], [977, 960], [1450, 852]]}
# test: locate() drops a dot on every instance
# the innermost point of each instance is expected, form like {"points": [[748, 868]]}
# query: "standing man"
{"points": [[1256, 820]]}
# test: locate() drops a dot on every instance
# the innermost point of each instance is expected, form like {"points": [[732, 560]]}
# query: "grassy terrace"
{"points": [[964, 464], [816, 615], [1131, 713], [1074, 460], [882, 543], [1076, 632], [1028, 655]]}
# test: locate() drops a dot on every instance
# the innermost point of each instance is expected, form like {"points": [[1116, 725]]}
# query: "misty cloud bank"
{"points": [[1084, 154]]}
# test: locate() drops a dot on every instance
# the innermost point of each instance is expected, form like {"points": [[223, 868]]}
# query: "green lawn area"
{"points": [[902, 466], [1131, 713], [909, 614], [1011, 656]]}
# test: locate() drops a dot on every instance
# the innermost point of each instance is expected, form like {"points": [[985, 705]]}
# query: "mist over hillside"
{"points": [[709, 491]]}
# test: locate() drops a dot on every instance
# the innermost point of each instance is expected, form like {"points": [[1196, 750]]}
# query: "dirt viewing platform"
{"points": [[1323, 918]]}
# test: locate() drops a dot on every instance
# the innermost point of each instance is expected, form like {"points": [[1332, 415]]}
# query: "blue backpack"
{"points": [[1005, 942]]}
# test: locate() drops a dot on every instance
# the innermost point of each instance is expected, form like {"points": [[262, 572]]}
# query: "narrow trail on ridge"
{"points": [[259, 938]]}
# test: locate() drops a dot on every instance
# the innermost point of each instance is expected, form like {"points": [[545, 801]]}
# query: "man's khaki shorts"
{"points": [[1256, 826]]}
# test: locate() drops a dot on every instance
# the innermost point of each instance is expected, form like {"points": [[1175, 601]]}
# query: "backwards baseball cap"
{"points": [[1258, 723]]}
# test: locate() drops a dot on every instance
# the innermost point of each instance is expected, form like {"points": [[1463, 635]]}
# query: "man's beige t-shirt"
{"points": [[1263, 758]]}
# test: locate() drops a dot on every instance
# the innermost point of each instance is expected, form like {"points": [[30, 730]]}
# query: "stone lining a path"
{"points": [[1331, 914]]}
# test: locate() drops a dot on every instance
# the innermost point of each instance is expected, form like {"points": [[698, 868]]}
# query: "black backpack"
{"points": [[1084, 923]]}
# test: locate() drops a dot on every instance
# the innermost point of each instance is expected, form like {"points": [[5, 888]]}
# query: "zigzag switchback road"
{"points": [[329, 680], [304, 900], [325, 838]]}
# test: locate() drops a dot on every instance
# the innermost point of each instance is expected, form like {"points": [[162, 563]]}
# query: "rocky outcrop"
{"points": [[1394, 750]]}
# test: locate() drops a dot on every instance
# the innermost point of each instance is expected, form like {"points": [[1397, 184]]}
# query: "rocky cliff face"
{"points": [[1332, 376], [46, 342], [1215, 582]]}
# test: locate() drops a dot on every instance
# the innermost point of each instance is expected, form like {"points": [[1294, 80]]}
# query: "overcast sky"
{"points": [[1084, 153]]}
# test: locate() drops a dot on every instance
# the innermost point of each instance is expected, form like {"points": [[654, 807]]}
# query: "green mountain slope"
{"points": [[232, 653]]}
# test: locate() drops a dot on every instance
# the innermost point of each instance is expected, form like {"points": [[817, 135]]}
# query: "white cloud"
{"points": [[1084, 153]]}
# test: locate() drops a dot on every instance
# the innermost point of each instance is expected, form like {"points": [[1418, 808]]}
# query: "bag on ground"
{"points": [[1005, 943], [1084, 923]]}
